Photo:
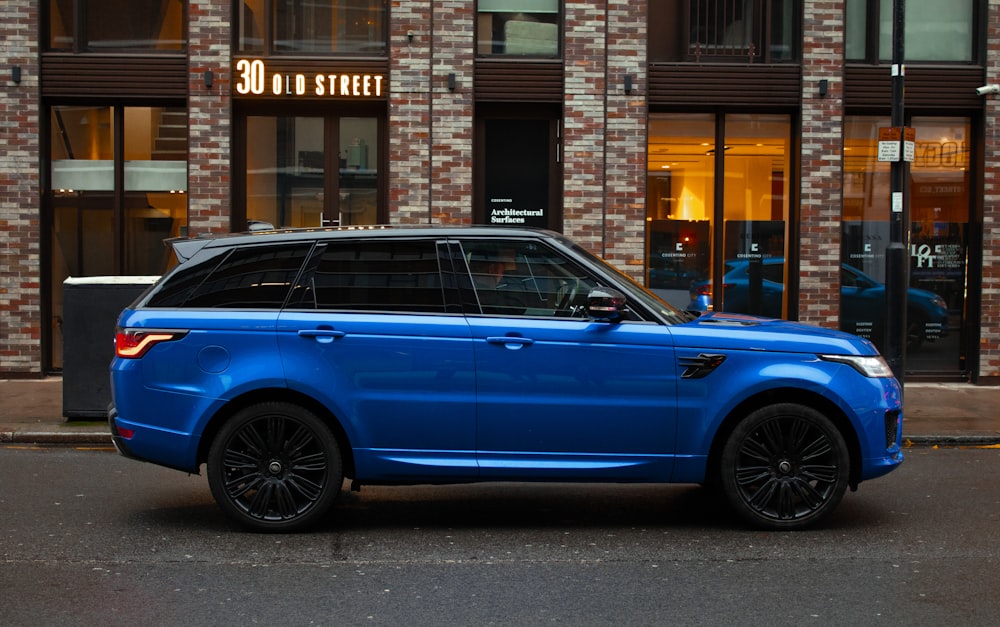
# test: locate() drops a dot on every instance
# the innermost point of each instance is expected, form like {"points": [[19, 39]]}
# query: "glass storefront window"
{"points": [[289, 167], [518, 28], [683, 214], [756, 208], [680, 205], [99, 229], [939, 197], [155, 164], [309, 27], [115, 25]]}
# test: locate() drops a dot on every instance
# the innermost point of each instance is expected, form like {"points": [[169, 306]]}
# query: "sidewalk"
{"points": [[934, 413]]}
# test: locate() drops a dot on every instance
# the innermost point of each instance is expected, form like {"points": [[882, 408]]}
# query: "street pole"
{"points": [[897, 259]]}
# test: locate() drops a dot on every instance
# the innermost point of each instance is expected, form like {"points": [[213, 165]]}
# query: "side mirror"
{"points": [[605, 304]]}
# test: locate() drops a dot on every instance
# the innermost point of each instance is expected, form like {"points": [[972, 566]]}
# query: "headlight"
{"points": [[870, 366]]}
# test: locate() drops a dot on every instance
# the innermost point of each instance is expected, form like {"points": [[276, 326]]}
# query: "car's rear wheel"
{"points": [[275, 467], [785, 466]]}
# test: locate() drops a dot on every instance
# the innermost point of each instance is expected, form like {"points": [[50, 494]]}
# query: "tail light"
{"points": [[134, 343]]}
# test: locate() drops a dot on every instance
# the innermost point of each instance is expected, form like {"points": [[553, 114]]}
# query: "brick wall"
{"points": [[584, 117], [625, 197], [410, 43], [820, 191], [209, 189], [989, 343], [20, 218], [430, 126], [452, 111]]}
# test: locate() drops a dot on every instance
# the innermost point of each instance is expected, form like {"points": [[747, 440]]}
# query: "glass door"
{"points": [[118, 189], [312, 170], [705, 171]]}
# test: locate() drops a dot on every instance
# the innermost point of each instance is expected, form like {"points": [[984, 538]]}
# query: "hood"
{"points": [[720, 330]]}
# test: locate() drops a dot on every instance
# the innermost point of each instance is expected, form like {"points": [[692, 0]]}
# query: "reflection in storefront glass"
{"points": [[939, 215]]}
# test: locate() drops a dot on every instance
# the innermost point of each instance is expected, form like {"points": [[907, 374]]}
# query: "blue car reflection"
{"points": [[862, 301]]}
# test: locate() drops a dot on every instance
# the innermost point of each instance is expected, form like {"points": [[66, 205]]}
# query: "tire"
{"points": [[275, 467], [784, 467]]}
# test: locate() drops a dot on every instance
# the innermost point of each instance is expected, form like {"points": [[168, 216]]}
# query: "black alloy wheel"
{"points": [[785, 467], [275, 467]]}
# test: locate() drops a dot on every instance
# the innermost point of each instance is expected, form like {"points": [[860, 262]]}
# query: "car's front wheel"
{"points": [[275, 467], [785, 466]]}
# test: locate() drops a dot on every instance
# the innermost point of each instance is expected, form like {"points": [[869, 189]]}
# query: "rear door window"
{"points": [[375, 275], [251, 277]]}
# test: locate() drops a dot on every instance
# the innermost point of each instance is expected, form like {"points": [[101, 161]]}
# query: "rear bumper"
{"points": [[128, 439]]}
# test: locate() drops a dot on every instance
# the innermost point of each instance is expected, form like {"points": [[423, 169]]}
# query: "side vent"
{"points": [[701, 366]]}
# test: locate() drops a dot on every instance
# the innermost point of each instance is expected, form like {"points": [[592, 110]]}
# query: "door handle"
{"points": [[513, 343], [324, 336]]}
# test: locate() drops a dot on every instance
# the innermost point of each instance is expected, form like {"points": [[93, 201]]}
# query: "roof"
{"points": [[186, 247]]}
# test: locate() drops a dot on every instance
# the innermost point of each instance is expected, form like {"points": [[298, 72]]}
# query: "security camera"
{"points": [[988, 89]]}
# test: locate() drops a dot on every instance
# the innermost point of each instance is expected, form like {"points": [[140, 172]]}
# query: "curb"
{"points": [[950, 440], [67, 438]]}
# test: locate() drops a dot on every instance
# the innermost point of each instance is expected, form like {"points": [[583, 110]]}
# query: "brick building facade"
{"points": [[609, 89]]}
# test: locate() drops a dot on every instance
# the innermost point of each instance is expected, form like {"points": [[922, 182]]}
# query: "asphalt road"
{"points": [[88, 537]]}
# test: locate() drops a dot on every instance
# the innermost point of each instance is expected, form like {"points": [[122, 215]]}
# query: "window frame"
{"points": [[670, 28], [270, 49], [872, 51], [81, 44], [560, 31]]}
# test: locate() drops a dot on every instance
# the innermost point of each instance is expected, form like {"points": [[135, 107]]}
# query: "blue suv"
{"points": [[285, 361]]}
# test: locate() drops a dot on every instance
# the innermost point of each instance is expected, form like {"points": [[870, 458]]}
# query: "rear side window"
{"points": [[382, 275], [253, 277]]}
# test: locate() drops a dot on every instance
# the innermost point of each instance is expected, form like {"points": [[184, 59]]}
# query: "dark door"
{"points": [[519, 182]]}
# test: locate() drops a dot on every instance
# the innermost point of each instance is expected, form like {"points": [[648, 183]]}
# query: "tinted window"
{"points": [[523, 278], [176, 288], [115, 25], [257, 277], [396, 275], [310, 27]]}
